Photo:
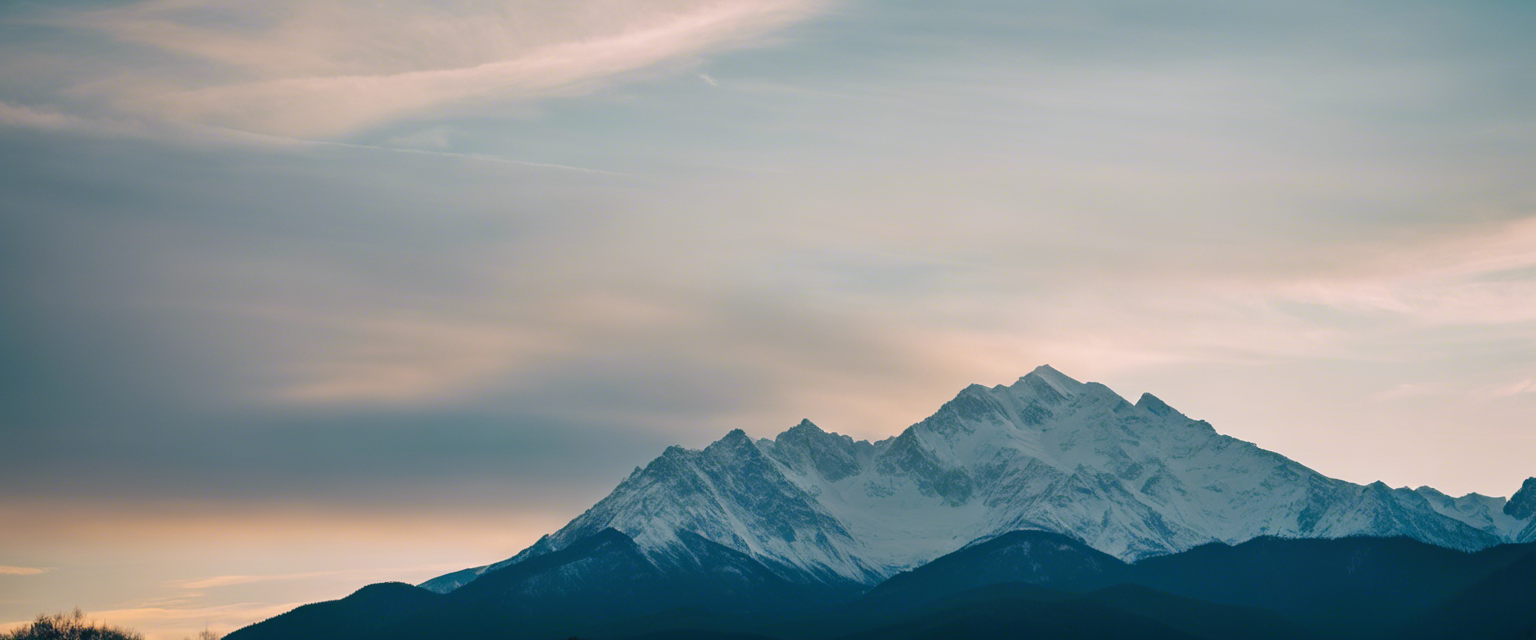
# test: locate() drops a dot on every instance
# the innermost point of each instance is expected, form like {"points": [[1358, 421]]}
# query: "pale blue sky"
{"points": [[279, 274]]}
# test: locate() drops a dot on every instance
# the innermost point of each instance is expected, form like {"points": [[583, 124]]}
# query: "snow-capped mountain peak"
{"points": [[1048, 375], [1046, 453], [1154, 405]]}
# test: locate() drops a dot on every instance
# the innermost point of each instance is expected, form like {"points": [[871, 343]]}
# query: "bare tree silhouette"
{"points": [[69, 626]]}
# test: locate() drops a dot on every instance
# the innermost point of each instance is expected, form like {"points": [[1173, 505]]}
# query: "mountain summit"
{"points": [[1046, 453]]}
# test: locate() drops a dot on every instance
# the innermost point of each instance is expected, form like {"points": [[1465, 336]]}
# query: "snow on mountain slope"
{"points": [[1528, 534], [1046, 453], [1487, 513]]}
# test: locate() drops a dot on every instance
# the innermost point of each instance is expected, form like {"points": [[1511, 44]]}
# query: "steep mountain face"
{"points": [[1047, 453], [1522, 505], [592, 587], [610, 575]]}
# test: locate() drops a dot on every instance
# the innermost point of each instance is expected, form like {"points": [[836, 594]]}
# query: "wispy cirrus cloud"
{"points": [[232, 580], [1485, 275], [1517, 388], [23, 116], [303, 70], [23, 571]]}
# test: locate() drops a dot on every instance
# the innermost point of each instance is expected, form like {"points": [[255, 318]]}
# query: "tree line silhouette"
{"points": [[74, 626]]}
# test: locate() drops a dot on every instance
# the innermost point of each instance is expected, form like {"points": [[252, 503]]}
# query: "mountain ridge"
{"points": [[1021, 584], [1046, 453]]}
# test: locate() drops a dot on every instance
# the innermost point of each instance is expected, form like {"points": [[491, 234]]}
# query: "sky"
{"points": [[300, 296]]}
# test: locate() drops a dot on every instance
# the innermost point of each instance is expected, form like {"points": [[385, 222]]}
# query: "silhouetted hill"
{"points": [[1266, 587], [1030, 557], [1500, 606], [1349, 583], [367, 613], [599, 585]]}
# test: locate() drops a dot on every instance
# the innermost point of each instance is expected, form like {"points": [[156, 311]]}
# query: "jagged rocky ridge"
{"points": [[1047, 453]]}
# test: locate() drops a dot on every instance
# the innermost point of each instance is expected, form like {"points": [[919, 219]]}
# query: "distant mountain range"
{"points": [[1049, 503], [1025, 584], [1048, 453]]}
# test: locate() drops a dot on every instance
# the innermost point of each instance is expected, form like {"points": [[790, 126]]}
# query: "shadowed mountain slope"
{"points": [[605, 586]]}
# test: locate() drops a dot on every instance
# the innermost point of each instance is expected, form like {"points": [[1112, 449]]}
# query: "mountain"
{"points": [[1353, 583], [1356, 583], [1522, 507], [593, 586], [1036, 558], [1034, 584], [1047, 453], [1500, 605], [370, 611], [1023, 584], [1358, 587]]}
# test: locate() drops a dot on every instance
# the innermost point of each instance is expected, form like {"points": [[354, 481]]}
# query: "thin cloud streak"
{"points": [[470, 156], [1441, 281], [21, 116], [331, 77], [45, 119], [23, 571], [350, 576], [226, 581], [171, 622], [1519, 388]]}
